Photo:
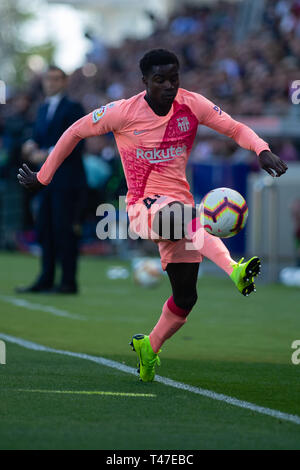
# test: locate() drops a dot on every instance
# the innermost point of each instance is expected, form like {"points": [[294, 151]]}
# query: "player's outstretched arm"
{"points": [[212, 116], [65, 145], [272, 164], [101, 121]]}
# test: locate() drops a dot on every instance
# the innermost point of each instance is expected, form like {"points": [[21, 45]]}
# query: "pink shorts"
{"points": [[141, 215]]}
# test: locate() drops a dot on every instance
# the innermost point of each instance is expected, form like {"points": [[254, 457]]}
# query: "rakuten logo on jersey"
{"points": [[160, 155]]}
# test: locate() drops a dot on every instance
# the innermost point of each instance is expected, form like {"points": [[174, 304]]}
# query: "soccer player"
{"points": [[154, 132]]}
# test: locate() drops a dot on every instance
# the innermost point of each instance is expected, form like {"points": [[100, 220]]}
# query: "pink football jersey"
{"points": [[154, 149]]}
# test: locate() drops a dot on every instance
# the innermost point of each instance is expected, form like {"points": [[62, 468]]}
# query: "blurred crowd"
{"points": [[245, 76], [249, 76]]}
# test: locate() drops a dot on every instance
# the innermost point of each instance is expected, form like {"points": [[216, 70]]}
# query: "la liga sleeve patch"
{"points": [[99, 113]]}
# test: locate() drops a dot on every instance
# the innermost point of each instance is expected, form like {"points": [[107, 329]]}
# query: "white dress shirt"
{"points": [[53, 102]]}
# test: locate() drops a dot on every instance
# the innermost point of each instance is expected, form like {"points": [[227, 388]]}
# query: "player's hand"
{"points": [[28, 178], [272, 164]]}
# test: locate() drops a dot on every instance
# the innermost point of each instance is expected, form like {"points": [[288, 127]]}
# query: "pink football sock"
{"points": [[211, 247], [215, 250], [171, 319]]}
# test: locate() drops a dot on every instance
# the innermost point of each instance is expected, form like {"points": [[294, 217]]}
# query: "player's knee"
{"points": [[186, 301]]}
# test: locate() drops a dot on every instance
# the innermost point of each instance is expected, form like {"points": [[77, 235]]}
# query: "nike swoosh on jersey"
{"points": [[139, 132]]}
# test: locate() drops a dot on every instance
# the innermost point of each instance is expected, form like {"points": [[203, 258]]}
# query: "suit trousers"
{"points": [[56, 217]]}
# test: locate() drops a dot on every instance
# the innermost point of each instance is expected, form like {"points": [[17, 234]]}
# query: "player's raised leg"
{"points": [[183, 278], [213, 248], [176, 220]]}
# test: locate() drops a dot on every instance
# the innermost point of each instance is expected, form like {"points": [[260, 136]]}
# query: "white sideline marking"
{"points": [[169, 382], [44, 308]]}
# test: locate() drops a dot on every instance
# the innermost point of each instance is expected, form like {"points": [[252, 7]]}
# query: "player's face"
{"points": [[54, 82], [162, 84]]}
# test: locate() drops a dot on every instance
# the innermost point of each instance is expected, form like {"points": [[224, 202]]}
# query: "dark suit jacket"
{"points": [[46, 134]]}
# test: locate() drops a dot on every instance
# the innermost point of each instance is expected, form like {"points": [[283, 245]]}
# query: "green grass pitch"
{"points": [[232, 345]]}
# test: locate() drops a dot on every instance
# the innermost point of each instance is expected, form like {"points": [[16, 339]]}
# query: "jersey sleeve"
{"points": [[106, 119], [210, 115]]}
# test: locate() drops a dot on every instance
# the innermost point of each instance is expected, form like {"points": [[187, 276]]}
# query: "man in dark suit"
{"points": [[60, 203]]}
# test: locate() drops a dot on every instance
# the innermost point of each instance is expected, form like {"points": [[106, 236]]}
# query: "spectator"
{"points": [[60, 203]]}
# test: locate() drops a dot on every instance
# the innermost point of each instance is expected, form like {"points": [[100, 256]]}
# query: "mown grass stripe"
{"points": [[90, 392]]}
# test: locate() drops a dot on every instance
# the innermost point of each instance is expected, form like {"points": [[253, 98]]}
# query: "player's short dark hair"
{"points": [[157, 57], [55, 68]]}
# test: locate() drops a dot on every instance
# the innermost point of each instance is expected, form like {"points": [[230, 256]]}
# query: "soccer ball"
{"points": [[225, 212], [147, 272]]}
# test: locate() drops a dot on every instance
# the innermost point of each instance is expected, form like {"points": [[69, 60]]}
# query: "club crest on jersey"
{"points": [[219, 111], [183, 124], [99, 113]]}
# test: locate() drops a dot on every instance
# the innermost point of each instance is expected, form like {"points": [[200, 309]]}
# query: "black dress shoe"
{"points": [[35, 288], [65, 289]]}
